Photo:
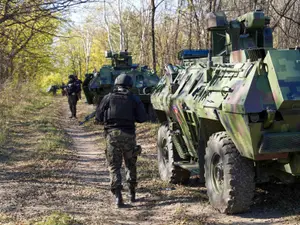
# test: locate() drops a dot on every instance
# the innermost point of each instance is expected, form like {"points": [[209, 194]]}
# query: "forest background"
{"points": [[43, 42]]}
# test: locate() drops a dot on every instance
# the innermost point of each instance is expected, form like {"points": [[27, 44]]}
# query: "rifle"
{"points": [[87, 118]]}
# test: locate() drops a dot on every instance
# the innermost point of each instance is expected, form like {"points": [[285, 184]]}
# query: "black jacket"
{"points": [[72, 87], [120, 110]]}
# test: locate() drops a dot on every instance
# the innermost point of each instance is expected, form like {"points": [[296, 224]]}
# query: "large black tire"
{"points": [[166, 158], [229, 177]]}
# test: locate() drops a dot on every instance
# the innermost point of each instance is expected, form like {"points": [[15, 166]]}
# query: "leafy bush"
{"points": [[51, 79]]}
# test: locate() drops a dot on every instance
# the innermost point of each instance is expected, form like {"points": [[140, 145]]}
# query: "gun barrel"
{"points": [[87, 118]]}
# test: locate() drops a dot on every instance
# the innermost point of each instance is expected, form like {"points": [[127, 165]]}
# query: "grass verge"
{"points": [[33, 148], [57, 218]]}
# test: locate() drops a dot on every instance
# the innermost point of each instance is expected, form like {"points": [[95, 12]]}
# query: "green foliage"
{"points": [[5, 218], [71, 54], [28, 48], [15, 102], [57, 218], [3, 134], [52, 79]]}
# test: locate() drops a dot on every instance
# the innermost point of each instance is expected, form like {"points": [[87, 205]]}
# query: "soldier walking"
{"points": [[118, 111], [72, 91]]}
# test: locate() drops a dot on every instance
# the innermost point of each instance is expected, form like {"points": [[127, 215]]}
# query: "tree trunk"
{"points": [[121, 29], [190, 24], [153, 9], [198, 27], [142, 48], [207, 33], [107, 29], [175, 47]]}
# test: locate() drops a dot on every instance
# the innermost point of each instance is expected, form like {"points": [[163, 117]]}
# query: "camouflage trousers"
{"points": [[119, 146]]}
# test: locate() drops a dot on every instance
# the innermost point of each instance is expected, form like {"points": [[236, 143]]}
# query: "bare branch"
{"points": [[283, 13]]}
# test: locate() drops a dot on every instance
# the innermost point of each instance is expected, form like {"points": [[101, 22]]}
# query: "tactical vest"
{"points": [[121, 107]]}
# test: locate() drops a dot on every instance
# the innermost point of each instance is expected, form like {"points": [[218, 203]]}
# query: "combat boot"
{"points": [[119, 198], [131, 195]]}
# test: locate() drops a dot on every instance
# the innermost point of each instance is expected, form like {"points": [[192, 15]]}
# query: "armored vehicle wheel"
{"points": [[166, 158], [229, 177]]}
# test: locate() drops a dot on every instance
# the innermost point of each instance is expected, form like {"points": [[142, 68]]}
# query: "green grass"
{"points": [[33, 142], [18, 104], [4, 218], [28, 110], [3, 134], [57, 218]]}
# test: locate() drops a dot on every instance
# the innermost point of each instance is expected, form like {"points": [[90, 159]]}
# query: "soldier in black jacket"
{"points": [[119, 111], [72, 92]]}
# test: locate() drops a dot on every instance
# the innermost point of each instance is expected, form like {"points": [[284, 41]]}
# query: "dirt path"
{"points": [[94, 204]]}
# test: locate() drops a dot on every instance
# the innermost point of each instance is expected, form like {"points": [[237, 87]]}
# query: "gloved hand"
{"points": [[137, 151]]}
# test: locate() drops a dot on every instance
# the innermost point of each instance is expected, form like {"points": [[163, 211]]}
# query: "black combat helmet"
{"points": [[71, 77], [124, 80]]}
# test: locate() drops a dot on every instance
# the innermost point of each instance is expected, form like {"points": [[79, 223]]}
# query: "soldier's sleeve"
{"points": [[78, 87], [140, 112], [101, 109]]}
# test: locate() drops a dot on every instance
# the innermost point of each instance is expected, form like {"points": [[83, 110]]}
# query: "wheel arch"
{"points": [[207, 128], [161, 116]]}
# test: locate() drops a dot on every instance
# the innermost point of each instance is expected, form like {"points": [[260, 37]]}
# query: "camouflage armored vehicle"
{"points": [[102, 83], [231, 114]]}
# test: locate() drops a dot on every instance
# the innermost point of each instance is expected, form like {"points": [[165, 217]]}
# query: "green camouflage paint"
{"points": [[102, 82], [251, 91]]}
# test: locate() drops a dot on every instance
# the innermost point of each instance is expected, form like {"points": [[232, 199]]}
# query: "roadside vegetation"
{"points": [[33, 145], [30, 118]]}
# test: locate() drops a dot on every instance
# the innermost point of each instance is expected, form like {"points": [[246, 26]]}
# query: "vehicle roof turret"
{"points": [[120, 60], [249, 31]]}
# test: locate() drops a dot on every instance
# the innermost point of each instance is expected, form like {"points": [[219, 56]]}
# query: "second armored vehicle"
{"points": [[102, 82], [231, 114]]}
